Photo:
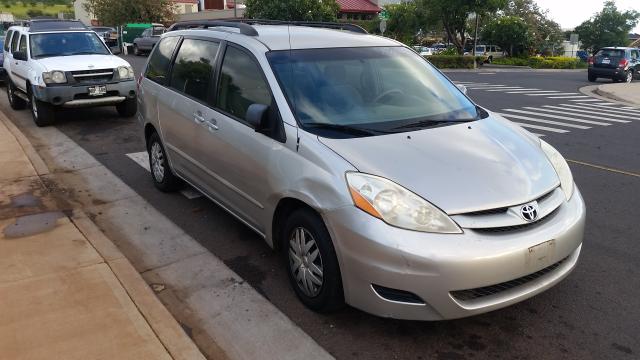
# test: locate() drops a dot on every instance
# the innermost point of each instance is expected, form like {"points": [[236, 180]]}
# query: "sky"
{"points": [[571, 13]]}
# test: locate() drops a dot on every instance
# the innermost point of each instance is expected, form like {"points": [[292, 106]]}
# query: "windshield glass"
{"points": [[66, 44], [610, 53], [385, 89], [157, 31]]}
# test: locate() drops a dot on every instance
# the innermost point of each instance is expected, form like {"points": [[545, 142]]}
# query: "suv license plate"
{"points": [[97, 90], [606, 61]]}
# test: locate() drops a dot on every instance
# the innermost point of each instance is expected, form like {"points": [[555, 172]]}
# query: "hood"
{"points": [[82, 62], [481, 165]]}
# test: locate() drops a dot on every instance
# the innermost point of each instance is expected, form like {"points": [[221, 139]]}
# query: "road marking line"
{"points": [[537, 127], [142, 159], [567, 97], [507, 89], [588, 100], [608, 108], [489, 87], [538, 135], [558, 94], [571, 113], [590, 111], [557, 117], [551, 122], [524, 91], [624, 172]]}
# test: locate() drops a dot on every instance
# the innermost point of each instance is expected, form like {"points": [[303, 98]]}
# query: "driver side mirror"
{"points": [[20, 55], [265, 121], [462, 88]]}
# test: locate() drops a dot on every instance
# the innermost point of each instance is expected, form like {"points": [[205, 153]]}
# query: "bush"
{"points": [[551, 62], [452, 61]]}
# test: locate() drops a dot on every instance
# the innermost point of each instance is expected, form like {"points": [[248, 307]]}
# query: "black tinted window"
{"points": [[23, 43], [7, 40], [610, 53], [193, 68], [160, 59], [241, 84]]}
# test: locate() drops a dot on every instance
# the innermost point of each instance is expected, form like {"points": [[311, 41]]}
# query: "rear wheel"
{"points": [[43, 113], [163, 177], [127, 108], [16, 102], [312, 264], [592, 78], [628, 76]]}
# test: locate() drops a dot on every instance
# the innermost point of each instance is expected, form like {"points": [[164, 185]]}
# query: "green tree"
{"points": [[293, 10], [609, 27], [544, 33], [406, 19], [510, 32], [119, 12], [454, 15]]}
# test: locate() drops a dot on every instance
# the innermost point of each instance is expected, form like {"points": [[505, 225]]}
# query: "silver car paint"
{"points": [[249, 174]]}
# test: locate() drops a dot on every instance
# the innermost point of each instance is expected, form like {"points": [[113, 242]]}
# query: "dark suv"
{"points": [[616, 63]]}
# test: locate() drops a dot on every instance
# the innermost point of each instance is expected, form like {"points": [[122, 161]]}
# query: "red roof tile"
{"points": [[357, 6]]}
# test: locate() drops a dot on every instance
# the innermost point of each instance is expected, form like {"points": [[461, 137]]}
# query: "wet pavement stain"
{"points": [[24, 200], [29, 225]]}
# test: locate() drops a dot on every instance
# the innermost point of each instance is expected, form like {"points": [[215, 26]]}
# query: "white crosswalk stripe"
{"points": [[569, 112], [625, 111], [142, 159], [538, 127], [538, 113], [550, 122], [558, 94], [586, 100], [512, 89], [581, 109], [569, 97], [550, 92]]}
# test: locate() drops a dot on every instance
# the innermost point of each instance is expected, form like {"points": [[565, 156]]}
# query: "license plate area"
{"points": [[606, 61], [540, 255], [97, 90]]}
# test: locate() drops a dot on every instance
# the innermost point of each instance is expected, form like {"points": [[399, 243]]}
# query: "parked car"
{"points": [[423, 50], [383, 185], [2, 72], [52, 64], [108, 34], [147, 40], [616, 63], [488, 52]]}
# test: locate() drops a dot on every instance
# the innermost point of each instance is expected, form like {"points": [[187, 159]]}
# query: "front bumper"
{"points": [[78, 95], [432, 266]]}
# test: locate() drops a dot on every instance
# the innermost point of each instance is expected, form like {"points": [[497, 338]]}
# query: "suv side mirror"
{"points": [[20, 55], [258, 116]]}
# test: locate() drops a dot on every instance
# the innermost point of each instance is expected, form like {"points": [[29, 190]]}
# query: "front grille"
{"points": [[472, 294], [93, 76], [87, 96], [517, 227], [503, 210]]}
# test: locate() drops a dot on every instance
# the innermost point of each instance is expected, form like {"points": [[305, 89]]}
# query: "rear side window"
{"points": [[192, 72], [160, 60], [241, 84], [7, 40], [14, 42], [23, 43]]}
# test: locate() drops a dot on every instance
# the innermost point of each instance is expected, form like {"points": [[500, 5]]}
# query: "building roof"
{"points": [[357, 6]]}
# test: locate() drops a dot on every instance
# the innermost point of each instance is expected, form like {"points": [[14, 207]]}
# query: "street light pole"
{"points": [[475, 45]]}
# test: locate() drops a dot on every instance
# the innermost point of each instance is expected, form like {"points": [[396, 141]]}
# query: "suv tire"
{"points": [[44, 114], [163, 177], [628, 76], [592, 78], [128, 107], [312, 264], [16, 102]]}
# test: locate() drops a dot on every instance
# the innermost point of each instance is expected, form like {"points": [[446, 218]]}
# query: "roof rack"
{"points": [[245, 29], [55, 25]]}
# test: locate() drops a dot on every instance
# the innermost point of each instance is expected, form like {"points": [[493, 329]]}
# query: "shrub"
{"points": [[452, 61], [551, 62]]}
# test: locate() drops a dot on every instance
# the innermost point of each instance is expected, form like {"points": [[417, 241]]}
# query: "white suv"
{"points": [[57, 63]]}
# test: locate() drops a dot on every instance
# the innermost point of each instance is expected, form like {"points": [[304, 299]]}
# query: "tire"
{"points": [[44, 114], [314, 274], [592, 78], [127, 108], [15, 102], [136, 52], [628, 76], [163, 177]]}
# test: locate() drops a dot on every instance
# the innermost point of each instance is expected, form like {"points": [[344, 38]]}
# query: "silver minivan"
{"points": [[382, 183]]}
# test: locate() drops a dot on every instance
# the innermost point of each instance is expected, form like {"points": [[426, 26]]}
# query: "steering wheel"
{"points": [[388, 93]]}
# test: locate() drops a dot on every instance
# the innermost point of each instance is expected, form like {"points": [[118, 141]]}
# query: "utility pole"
{"points": [[475, 44], [235, 9]]}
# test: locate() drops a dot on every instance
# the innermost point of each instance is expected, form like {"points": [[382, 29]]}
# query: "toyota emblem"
{"points": [[529, 212]]}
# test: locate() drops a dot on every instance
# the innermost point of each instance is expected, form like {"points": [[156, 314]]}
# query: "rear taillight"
{"points": [[590, 60], [623, 63]]}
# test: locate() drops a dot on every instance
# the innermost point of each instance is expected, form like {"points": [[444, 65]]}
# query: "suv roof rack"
{"points": [[55, 25], [244, 25]]}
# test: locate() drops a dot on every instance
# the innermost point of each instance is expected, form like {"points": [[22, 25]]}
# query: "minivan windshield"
{"points": [[66, 44], [368, 90]]}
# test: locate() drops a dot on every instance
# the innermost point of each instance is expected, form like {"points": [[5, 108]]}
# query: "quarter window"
{"points": [[7, 40], [193, 68], [160, 60], [241, 84]]}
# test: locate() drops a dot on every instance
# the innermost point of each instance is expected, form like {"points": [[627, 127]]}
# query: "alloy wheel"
{"points": [[34, 106], [629, 76], [157, 162], [305, 262]]}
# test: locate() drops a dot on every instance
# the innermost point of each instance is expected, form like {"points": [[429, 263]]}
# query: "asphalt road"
{"points": [[593, 314]]}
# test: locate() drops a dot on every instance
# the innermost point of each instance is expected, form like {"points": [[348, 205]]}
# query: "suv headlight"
{"points": [[54, 77], [561, 167], [125, 73], [397, 206]]}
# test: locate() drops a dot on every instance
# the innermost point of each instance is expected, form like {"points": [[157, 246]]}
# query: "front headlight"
{"points": [[54, 77], [561, 167], [125, 72], [397, 206]]}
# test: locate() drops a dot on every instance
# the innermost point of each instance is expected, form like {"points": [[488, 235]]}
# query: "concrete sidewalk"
{"points": [[66, 291], [628, 93]]}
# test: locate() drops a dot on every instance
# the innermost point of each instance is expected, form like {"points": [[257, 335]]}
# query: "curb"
{"points": [[596, 92], [162, 323]]}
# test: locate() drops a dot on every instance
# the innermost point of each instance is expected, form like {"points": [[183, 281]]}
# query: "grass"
{"points": [[20, 9]]}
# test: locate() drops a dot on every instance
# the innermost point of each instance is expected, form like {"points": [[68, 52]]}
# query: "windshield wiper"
{"points": [[87, 53], [427, 124], [344, 128]]}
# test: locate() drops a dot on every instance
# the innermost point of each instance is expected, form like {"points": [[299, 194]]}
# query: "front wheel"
{"points": [[43, 113], [127, 108], [163, 177], [312, 264]]}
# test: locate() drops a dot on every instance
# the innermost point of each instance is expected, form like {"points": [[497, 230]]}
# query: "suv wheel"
{"points": [[43, 113], [312, 263], [163, 177], [127, 108], [592, 78], [628, 76], [136, 52], [16, 102]]}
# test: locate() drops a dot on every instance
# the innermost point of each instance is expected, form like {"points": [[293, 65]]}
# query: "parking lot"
{"points": [[593, 314]]}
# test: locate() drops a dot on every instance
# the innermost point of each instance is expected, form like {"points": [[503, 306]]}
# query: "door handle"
{"points": [[198, 118], [212, 125]]}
